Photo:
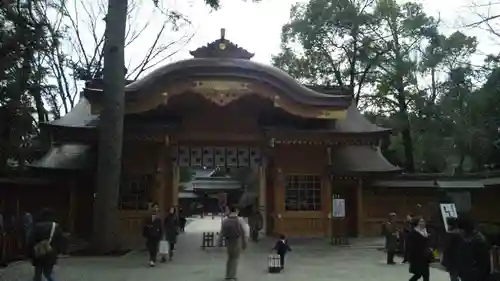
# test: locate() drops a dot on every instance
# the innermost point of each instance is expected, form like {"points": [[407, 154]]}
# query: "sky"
{"points": [[257, 26]]}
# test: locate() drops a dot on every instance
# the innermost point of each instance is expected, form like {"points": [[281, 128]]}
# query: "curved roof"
{"points": [[80, 116], [66, 157], [360, 159], [356, 122], [156, 82]]}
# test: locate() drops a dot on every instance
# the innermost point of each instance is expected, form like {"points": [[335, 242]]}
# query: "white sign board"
{"points": [[448, 211], [338, 206]]}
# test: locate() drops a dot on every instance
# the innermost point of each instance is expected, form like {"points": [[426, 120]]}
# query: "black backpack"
{"points": [[231, 228]]}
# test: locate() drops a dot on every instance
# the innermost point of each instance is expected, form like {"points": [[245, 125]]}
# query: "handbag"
{"points": [[164, 248], [43, 247]]}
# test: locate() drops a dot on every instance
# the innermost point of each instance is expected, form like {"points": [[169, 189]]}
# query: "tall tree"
{"points": [[400, 31], [443, 61], [335, 43], [111, 127], [21, 44]]}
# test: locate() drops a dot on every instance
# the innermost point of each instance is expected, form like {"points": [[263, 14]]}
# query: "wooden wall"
{"points": [[302, 160], [140, 158], [485, 207], [379, 202]]}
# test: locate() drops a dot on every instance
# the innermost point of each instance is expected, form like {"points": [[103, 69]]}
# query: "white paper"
{"points": [[338, 208]]}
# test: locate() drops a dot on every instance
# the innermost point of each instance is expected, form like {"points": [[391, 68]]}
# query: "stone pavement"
{"points": [[317, 261]]}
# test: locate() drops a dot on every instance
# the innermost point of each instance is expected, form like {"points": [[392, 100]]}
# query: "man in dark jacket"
{"points": [[46, 230], [451, 249], [474, 260], [153, 232], [255, 222], [391, 238]]}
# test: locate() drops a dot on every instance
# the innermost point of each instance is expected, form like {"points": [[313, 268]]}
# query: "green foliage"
{"points": [[409, 75], [21, 44]]}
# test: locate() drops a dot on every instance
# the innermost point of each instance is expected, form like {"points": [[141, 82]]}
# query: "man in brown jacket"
{"points": [[233, 231]]}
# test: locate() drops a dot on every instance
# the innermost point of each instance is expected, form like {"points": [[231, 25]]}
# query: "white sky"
{"points": [[257, 26]]}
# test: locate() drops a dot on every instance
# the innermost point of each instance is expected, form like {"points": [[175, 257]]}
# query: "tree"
{"points": [[21, 45], [335, 43], [401, 29], [77, 40], [111, 127]]}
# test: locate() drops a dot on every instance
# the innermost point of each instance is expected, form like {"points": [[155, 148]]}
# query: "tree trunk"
{"points": [[105, 225], [405, 131]]}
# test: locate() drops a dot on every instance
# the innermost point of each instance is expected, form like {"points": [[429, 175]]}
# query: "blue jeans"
{"points": [[45, 271]]}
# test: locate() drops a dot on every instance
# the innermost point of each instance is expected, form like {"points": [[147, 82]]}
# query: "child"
{"points": [[282, 248]]}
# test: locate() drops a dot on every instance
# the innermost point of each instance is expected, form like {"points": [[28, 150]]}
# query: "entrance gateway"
{"points": [[306, 143]]}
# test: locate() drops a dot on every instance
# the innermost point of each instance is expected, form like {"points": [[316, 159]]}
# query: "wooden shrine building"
{"points": [[307, 143]]}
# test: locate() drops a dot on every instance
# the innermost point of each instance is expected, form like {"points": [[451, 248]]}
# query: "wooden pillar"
{"points": [[328, 195], [175, 185], [72, 207], [359, 207], [262, 196], [161, 174]]}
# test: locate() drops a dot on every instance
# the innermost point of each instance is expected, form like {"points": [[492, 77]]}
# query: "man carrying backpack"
{"points": [[233, 231], [45, 245]]}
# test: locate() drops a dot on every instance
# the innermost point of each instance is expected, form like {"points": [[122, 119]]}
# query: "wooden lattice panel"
{"points": [[198, 156]]}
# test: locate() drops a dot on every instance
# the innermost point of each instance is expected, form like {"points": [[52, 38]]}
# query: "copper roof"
{"points": [[221, 48], [66, 157], [360, 159], [200, 68], [79, 116], [355, 122]]}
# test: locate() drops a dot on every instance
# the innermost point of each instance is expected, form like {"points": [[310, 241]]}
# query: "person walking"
{"points": [[474, 260], [3, 243], [391, 238], [282, 248], [27, 228], [153, 232], [171, 226], [451, 249], [404, 237], [182, 220], [419, 251], [255, 223], [233, 231], [45, 245]]}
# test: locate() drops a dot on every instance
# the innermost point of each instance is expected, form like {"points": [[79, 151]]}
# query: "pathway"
{"points": [[316, 263]]}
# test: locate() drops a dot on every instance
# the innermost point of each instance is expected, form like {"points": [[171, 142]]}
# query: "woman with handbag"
{"points": [[419, 251]]}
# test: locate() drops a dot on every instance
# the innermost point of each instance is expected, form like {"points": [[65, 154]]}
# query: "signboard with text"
{"points": [[338, 208], [448, 210]]}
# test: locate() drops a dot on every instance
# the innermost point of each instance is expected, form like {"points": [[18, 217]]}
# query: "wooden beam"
{"points": [[175, 185], [262, 195], [161, 177], [72, 207], [359, 207]]}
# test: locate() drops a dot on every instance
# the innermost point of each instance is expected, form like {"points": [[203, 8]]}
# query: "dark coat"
{"points": [[152, 229], [41, 231], [419, 252], [474, 262], [255, 221], [171, 225], [282, 247], [451, 251], [391, 236]]}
